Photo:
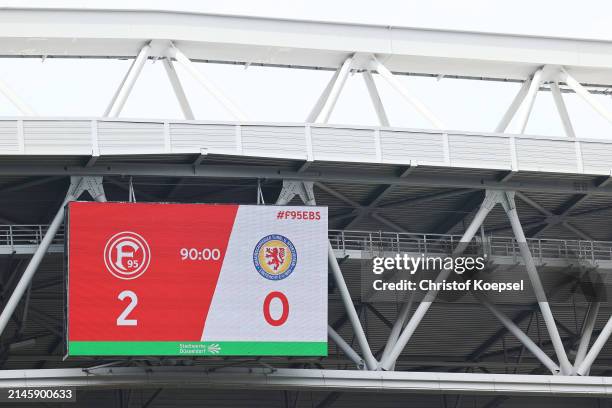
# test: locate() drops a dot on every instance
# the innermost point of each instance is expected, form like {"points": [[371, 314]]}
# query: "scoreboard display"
{"points": [[155, 279]]}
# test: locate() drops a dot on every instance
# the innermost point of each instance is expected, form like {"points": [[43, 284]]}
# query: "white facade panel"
{"points": [[343, 144], [192, 138], [125, 137], [305, 142], [57, 137], [546, 155], [9, 141], [274, 141], [404, 147], [596, 157], [480, 151]]}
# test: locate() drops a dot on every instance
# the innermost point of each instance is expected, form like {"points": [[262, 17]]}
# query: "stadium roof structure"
{"points": [[537, 204]]}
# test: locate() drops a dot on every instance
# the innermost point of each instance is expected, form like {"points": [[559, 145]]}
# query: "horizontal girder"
{"points": [[309, 379], [65, 32]]}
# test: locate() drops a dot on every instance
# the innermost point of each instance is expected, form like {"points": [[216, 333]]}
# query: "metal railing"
{"points": [[27, 235], [380, 241], [430, 244]]}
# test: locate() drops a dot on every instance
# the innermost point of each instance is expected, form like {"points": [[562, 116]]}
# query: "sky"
{"points": [[58, 87]]}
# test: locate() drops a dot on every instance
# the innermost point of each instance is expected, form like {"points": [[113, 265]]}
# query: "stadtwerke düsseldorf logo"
{"points": [[274, 257]]}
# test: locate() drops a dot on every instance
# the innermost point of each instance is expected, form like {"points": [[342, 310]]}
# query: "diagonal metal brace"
{"points": [[291, 188], [78, 185]]}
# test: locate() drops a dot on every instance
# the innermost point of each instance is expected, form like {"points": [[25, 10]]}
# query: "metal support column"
{"points": [[398, 326], [585, 94], [519, 334], [491, 198], [584, 367], [345, 347], [530, 97], [510, 208], [116, 105], [175, 53], [78, 185], [562, 109], [587, 332], [370, 361], [334, 92], [178, 89], [316, 109], [406, 94], [514, 107], [375, 97]]}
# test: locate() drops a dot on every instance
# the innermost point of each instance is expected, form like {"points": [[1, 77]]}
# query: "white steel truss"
{"points": [[404, 327], [577, 65]]}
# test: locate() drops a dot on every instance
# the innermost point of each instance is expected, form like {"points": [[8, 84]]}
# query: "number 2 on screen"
{"points": [[122, 320]]}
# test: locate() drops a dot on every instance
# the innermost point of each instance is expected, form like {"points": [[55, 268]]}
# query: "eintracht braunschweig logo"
{"points": [[127, 255], [274, 257]]}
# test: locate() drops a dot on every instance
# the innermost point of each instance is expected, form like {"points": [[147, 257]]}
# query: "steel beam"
{"points": [[562, 109], [519, 334], [406, 94], [398, 326], [379, 195], [510, 208], [370, 361], [177, 87], [534, 86], [550, 217], [586, 95], [359, 207], [487, 205], [24, 185], [316, 109], [330, 101], [28, 274], [587, 331], [175, 53], [116, 105], [584, 367], [375, 98], [427, 198], [499, 334], [465, 208], [514, 107], [309, 379], [77, 186], [450, 180], [345, 347]]}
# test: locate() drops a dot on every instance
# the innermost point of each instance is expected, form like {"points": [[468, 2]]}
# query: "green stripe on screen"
{"points": [[197, 348]]}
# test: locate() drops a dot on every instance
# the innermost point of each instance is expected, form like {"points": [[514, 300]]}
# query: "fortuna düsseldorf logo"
{"points": [[127, 255]]}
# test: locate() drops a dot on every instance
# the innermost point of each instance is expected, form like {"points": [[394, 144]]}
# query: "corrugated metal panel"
{"points": [[343, 144], [401, 147], [480, 151], [596, 157], [546, 155], [191, 138], [274, 141], [8, 137], [57, 137], [130, 137]]}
